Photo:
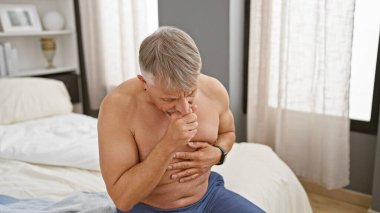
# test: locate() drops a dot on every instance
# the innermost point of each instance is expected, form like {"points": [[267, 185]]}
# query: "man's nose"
{"points": [[183, 106]]}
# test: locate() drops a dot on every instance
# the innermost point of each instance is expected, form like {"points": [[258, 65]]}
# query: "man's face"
{"points": [[171, 101]]}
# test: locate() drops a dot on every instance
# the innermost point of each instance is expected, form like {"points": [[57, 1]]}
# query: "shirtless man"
{"points": [[160, 133]]}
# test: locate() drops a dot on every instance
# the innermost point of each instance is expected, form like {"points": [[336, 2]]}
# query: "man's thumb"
{"points": [[175, 115]]}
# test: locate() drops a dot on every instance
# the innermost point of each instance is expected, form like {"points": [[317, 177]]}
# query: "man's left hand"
{"points": [[196, 163]]}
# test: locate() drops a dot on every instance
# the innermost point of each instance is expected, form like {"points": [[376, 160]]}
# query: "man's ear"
{"points": [[141, 78]]}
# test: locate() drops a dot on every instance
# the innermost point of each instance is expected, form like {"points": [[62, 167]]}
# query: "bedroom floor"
{"points": [[322, 204]]}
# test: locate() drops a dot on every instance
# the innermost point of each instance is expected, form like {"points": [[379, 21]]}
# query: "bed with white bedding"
{"points": [[50, 164]]}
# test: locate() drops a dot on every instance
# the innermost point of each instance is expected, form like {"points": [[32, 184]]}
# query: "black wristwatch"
{"points": [[224, 154]]}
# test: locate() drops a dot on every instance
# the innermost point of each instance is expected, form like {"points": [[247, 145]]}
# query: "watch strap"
{"points": [[223, 156]]}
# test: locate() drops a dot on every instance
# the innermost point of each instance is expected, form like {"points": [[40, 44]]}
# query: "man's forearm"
{"points": [[139, 181]]}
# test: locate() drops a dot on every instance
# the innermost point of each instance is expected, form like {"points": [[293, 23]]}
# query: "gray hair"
{"points": [[170, 56]]}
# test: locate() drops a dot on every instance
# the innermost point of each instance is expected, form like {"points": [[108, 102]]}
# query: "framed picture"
{"points": [[19, 18]]}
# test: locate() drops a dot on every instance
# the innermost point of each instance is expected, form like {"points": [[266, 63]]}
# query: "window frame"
{"points": [[247, 12]]}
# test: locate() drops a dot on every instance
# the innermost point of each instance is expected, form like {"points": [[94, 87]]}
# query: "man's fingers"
{"points": [[181, 165], [192, 126], [190, 118], [185, 179], [194, 107], [198, 145], [184, 173], [184, 155]]}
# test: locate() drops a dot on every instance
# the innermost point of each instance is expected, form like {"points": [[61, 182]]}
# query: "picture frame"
{"points": [[19, 18]]}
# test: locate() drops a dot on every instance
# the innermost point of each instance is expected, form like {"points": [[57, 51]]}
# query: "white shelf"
{"points": [[42, 33], [42, 71]]}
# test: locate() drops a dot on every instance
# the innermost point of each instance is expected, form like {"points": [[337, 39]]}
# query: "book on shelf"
{"points": [[14, 60], [3, 68], [10, 58]]}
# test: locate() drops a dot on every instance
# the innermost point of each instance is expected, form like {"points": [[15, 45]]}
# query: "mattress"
{"points": [[57, 156]]}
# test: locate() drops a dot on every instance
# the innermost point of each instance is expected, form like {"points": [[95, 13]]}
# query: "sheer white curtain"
{"points": [[299, 70], [112, 32]]}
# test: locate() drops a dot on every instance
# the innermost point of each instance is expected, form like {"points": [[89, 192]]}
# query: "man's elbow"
{"points": [[121, 202], [123, 205], [231, 135]]}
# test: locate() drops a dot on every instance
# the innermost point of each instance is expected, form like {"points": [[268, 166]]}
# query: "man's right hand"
{"points": [[182, 128]]}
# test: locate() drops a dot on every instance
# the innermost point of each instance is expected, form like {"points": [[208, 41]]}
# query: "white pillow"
{"points": [[24, 99]]}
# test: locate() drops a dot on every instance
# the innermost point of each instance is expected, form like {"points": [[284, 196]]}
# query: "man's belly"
{"points": [[174, 194], [171, 194]]}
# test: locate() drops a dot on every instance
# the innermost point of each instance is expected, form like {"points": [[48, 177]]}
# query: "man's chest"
{"points": [[151, 129]]}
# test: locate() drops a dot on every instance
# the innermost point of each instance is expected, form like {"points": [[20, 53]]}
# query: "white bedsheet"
{"points": [[26, 180], [251, 170], [255, 172], [63, 140]]}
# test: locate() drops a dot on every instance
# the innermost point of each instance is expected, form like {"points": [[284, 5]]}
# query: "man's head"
{"points": [[170, 65]]}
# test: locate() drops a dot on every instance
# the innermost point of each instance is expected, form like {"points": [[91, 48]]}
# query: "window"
{"points": [[364, 89], [365, 72]]}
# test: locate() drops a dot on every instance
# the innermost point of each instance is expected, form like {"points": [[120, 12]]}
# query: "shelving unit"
{"points": [[43, 33], [42, 71], [31, 61]]}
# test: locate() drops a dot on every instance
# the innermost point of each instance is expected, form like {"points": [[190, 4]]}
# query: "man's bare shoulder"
{"points": [[213, 88], [122, 100]]}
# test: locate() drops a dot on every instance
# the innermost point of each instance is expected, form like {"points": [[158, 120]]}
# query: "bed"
{"points": [[49, 162]]}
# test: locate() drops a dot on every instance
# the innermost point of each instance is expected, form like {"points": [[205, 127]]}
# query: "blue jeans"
{"points": [[217, 199]]}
